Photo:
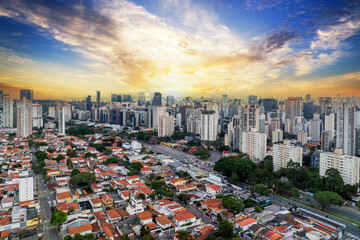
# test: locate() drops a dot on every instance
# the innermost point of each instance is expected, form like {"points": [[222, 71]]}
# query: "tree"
{"points": [[74, 172], [82, 179], [248, 203], [144, 230], [58, 217], [232, 203], [142, 196], [334, 181], [183, 235], [258, 208], [327, 198], [125, 237], [226, 229], [183, 198], [295, 192], [148, 237], [88, 154], [234, 178], [260, 188]]}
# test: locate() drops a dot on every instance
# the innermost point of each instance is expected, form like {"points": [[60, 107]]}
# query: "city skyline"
{"points": [[182, 48]]}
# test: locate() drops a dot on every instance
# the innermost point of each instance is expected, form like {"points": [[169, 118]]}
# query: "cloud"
{"points": [[130, 48]]}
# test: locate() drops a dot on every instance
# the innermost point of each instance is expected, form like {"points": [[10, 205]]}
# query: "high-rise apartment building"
{"points": [[28, 94], [254, 144], [346, 128], [330, 124], [277, 136], [209, 123], [249, 117], [7, 114], [348, 166], [170, 100], [315, 129], [293, 107], [52, 113], [26, 189], [61, 119], [166, 125], [154, 115], [37, 115], [284, 153], [24, 118]]}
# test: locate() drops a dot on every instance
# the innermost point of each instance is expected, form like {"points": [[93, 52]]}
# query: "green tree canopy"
{"points": [[226, 229], [232, 203], [260, 188], [82, 179], [58, 217], [327, 198]]}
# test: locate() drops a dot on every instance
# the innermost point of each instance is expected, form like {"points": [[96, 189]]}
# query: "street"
{"points": [[50, 231]]}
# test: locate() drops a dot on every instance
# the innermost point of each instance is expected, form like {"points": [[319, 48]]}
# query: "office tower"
{"points": [[127, 98], [24, 118], [61, 119], [26, 93], [293, 107], [277, 136], [154, 114], [284, 153], [141, 99], [252, 99], [170, 100], [249, 117], [166, 125], [98, 103], [315, 129], [330, 124], [178, 120], [52, 112], [348, 166], [209, 123], [254, 145], [26, 189], [37, 118], [157, 101], [308, 98], [7, 112], [116, 97], [270, 104], [262, 123], [88, 103]]}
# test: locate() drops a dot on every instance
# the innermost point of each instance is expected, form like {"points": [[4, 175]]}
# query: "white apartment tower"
{"points": [[209, 123], [348, 166], [8, 115], [24, 118], [37, 118], [26, 189], [254, 144], [284, 153], [166, 125], [61, 119]]}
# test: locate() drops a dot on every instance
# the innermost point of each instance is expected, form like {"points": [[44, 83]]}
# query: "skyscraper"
{"points": [[157, 101], [26, 93], [7, 115], [170, 100], [249, 117], [61, 119], [98, 103], [166, 125], [254, 144], [141, 99], [308, 98], [88, 103], [209, 124], [284, 153], [252, 99], [345, 128], [24, 118], [37, 118], [293, 107]]}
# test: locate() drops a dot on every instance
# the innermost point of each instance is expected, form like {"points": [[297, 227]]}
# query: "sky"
{"points": [[269, 48]]}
